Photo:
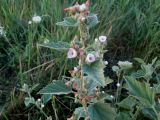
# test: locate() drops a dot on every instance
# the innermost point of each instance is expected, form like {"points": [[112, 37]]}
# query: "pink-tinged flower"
{"points": [[72, 53], [90, 58], [102, 39]]}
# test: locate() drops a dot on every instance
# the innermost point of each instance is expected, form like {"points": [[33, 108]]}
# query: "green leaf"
{"points": [[91, 85], [148, 69], [138, 74], [150, 113], [154, 60], [56, 45], [58, 87], [92, 20], [108, 80], [127, 104], [95, 72], [123, 116], [141, 90], [116, 69], [101, 111], [46, 97], [157, 88], [139, 60], [157, 64], [79, 113], [28, 101], [69, 22]]}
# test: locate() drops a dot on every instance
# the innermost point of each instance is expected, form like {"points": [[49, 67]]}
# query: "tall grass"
{"points": [[134, 25]]}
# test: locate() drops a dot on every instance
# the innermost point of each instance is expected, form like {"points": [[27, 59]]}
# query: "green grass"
{"points": [[134, 25]]}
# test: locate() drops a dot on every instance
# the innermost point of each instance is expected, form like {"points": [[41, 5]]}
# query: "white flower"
{"points": [[39, 100], [90, 58], [102, 39], [36, 19], [103, 92], [72, 53], [125, 64], [83, 7], [29, 22], [118, 84], [106, 62]]}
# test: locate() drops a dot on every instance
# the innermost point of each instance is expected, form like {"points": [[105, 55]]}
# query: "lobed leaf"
{"points": [[101, 111], [92, 20], [141, 90], [56, 88], [28, 101], [95, 72], [123, 116], [127, 104], [69, 22], [79, 113], [56, 45]]}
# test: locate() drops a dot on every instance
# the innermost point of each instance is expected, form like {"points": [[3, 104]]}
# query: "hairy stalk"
{"points": [[84, 36]]}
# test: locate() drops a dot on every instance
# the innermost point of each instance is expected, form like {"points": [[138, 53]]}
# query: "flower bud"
{"points": [[106, 62], [118, 84], [29, 22]]}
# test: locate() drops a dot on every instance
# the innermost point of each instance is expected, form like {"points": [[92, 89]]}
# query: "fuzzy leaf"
{"points": [[46, 97], [56, 88], [101, 111], [138, 74], [95, 72], [141, 90], [69, 22], [150, 113], [56, 45], [139, 60], [108, 80], [92, 20], [127, 104], [28, 101], [148, 69], [123, 116], [79, 113], [116, 69], [91, 85]]}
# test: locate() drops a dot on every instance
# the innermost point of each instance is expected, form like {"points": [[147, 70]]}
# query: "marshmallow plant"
{"points": [[87, 78]]}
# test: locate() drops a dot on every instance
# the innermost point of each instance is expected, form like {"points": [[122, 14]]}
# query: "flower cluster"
{"points": [[125, 64], [35, 19], [89, 56]]}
